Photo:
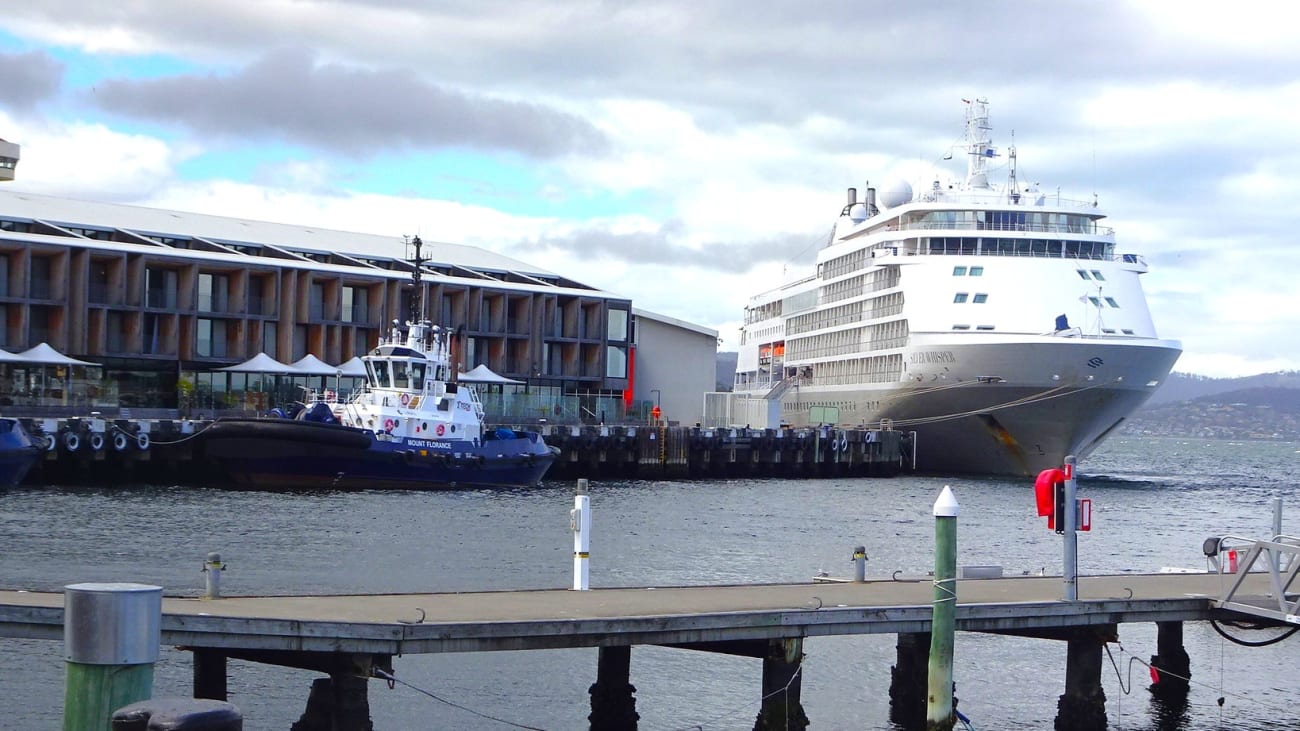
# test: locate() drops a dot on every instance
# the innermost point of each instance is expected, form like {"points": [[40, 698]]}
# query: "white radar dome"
{"points": [[858, 213], [895, 193]]}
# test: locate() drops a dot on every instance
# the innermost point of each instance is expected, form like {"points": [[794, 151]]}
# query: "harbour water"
{"points": [[1154, 502]]}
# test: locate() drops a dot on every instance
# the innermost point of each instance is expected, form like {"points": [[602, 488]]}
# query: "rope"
{"points": [[393, 679], [1134, 659], [182, 440], [747, 705]]}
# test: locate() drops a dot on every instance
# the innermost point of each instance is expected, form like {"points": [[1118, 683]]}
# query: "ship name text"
{"points": [[933, 356]]}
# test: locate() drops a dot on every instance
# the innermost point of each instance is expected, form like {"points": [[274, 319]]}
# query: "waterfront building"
{"points": [[163, 299]]}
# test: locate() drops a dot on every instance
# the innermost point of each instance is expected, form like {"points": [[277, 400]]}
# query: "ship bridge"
{"points": [[8, 160]]}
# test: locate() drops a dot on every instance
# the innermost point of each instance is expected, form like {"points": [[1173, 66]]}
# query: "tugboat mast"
{"points": [[417, 310]]}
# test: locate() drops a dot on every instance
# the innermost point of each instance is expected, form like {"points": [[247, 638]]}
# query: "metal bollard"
{"points": [[580, 524], [178, 714], [111, 634], [860, 564], [212, 569]]}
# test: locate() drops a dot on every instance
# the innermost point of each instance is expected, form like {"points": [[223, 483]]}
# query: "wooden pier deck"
{"points": [[399, 624], [352, 636]]}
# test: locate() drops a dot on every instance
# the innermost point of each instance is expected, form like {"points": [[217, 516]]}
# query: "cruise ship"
{"points": [[995, 321]]}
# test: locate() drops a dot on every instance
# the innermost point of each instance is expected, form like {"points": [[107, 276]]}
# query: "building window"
{"points": [[981, 298], [615, 362], [1082, 274], [977, 271], [1097, 276], [214, 290], [960, 298], [961, 327], [270, 333], [618, 324], [115, 337], [316, 307], [959, 271], [40, 288], [160, 288], [354, 305], [1111, 301], [152, 337]]}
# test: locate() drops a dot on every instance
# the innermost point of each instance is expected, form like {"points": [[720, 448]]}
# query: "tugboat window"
{"points": [[417, 375], [401, 376]]}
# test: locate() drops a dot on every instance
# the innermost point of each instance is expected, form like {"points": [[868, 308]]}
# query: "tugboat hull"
{"points": [[295, 454]]}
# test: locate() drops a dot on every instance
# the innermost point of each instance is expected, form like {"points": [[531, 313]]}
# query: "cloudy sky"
{"points": [[684, 154]]}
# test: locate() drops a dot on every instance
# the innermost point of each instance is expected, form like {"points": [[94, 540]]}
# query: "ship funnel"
{"points": [[871, 202], [853, 196]]}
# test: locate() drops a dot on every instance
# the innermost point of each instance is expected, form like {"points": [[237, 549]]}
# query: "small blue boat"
{"points": [[411, 427], [18, 453]]}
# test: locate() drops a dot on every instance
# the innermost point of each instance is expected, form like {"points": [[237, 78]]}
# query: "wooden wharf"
{"points": [[133, 448], [354, 637]]}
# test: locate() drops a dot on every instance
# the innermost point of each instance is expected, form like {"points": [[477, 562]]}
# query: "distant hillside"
{"points": [[1250, 413], [1187, 386]]}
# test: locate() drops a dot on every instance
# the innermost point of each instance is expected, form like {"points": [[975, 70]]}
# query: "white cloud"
{"points": [[89, 160]]}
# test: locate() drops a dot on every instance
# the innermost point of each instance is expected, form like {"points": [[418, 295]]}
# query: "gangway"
{"points": [[1278, 557]]}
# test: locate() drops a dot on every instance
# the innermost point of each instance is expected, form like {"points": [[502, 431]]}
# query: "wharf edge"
{"points": [[126, 449]]}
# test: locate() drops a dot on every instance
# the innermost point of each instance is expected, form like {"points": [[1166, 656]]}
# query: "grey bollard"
{"points": [[860, 564], [212, 569], [178, 714]]}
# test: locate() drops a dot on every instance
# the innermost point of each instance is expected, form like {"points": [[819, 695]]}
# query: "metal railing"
{"points": [[1233, 555]]}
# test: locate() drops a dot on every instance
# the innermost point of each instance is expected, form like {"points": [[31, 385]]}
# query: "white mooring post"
{"points": [[580, 524], [939, 712], [860, 564]]}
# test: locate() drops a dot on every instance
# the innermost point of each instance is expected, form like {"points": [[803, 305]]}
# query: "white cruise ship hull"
{"points": [[1001, 408]]}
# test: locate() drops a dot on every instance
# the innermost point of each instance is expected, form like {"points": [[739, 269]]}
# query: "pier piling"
{"points": [[613, 697], [210, 674], [1173, 668], [111, 636], [907, 680], [1083, 705], [782, 666]]}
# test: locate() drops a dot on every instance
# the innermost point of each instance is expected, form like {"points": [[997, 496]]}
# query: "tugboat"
{"points": [[412, 426], [18, 453]]}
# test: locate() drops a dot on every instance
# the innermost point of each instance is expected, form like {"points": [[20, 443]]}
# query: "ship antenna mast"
{"points": [[1013, 188], [979, 148]]}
